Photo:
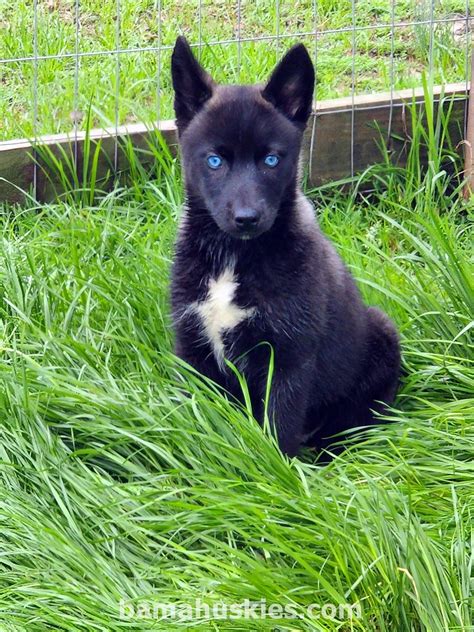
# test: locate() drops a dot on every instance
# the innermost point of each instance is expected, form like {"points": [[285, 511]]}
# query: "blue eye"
{"points": [[214, 161], [271, 160]]}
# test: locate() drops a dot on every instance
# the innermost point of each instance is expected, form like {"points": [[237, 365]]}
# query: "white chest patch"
{"points": [[219, 313]]}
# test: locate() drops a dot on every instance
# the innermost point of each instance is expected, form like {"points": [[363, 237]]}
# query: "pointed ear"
{"points": [[290, 88], [192, 85]]}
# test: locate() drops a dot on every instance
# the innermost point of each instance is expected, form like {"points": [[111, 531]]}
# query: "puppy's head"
{"points": [[240, 144]]}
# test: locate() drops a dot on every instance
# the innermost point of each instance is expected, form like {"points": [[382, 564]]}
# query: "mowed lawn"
{"points": [[127, 482], [135, 86]]}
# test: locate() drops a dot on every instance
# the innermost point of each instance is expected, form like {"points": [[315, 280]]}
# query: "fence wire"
{"points": [[217, 30]]}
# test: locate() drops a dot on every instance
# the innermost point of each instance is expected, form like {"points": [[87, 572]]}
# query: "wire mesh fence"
{"points": [[68, 63]]}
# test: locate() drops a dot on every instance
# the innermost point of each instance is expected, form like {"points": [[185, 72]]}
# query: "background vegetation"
{"points": [[142, 82], [124, 477]]}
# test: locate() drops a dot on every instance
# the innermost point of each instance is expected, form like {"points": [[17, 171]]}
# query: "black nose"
{"points": [[246, 219]]}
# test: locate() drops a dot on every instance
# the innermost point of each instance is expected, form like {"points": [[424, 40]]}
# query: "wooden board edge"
{"points": [[17, 165]]}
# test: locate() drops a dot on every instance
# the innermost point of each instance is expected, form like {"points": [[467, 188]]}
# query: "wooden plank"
{"points": [[17, 161], [469, 141], [334, 126], [379, 99], [337, 127]]}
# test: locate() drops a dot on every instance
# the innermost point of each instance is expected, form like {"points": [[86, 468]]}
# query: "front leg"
{"points": [[199, 356], [288, 405]]}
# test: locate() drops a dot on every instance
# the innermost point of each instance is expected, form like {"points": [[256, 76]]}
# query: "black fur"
{"points": [[335, 359]]}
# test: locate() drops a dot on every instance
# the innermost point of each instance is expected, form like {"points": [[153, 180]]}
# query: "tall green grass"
{"points": [[127, 479]]}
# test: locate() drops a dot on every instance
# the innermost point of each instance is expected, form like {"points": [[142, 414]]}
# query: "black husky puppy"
{"points": [[251, 265]]}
